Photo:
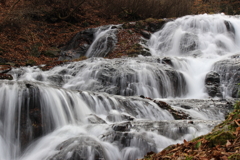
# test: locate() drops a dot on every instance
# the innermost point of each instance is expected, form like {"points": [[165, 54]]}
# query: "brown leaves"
{"points": [[228, 144]]}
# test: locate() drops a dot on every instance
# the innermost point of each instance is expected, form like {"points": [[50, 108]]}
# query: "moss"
{"points": [[52, 52], [219, 138], [234, 157], [148, 20], [80, 58]]}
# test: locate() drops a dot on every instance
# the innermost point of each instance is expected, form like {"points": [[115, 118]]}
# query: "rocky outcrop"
{"points": [[101, 41], [93, 42], [30, 120], [212, 84], [4, 69], [136, 76], [229, 73]]}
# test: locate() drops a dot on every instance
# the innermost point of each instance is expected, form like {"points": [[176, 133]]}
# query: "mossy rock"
{"points": [[234, 157], [219, 138], [52, 52]]}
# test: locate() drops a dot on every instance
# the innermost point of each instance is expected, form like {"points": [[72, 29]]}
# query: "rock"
{"points": [[229, 27], [212, 84], [79, 45], [127, 139], [31, 126], [167, 60], [6, 76], [213, 107], [124, 76], [52, 52], [176, 114], [122, 127], [229, 73], [189, 42], [145, 34], [220, 138], [5, 68], [80, 148], [95, 119]]}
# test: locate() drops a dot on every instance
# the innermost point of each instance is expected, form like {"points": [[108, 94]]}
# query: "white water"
{"points": [[74, 116], [100, 47], [209, 40]]}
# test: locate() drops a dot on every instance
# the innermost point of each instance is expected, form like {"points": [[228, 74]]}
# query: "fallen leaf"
{"points": [[228, 143], [236, 121]]}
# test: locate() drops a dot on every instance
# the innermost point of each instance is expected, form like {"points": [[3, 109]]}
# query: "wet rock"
{"points": [[176, 114], [167, 60], [95, 119], [6, 76], [145, 34], [57, 79], [122, 127], [78, 45], [30, 117], [128, 77], [189, 42], [229, 27], [80, 148], [155, 25], [229, 73], [81, 42], [5, 68], [212, 84], [213, 107], [127, 139]]}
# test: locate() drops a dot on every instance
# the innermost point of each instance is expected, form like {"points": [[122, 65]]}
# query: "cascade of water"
{"points": [[201, 40], [104, 41], [128, 77], [37, 111]]}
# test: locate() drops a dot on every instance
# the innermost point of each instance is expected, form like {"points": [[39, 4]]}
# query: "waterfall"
{"points": [[122, 108]]}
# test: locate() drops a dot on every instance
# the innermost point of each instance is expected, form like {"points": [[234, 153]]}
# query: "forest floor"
{"points": [[25, 41]]}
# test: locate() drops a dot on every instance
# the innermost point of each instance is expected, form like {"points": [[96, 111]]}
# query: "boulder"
{"points": [[5, 68], [188, 42], [229, 72], [212, 84], [6, 76], [80, 148], [145, 34], [93, 119]]}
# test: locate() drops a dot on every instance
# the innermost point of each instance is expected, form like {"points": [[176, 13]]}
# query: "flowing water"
{"points": [[92, 110]]}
